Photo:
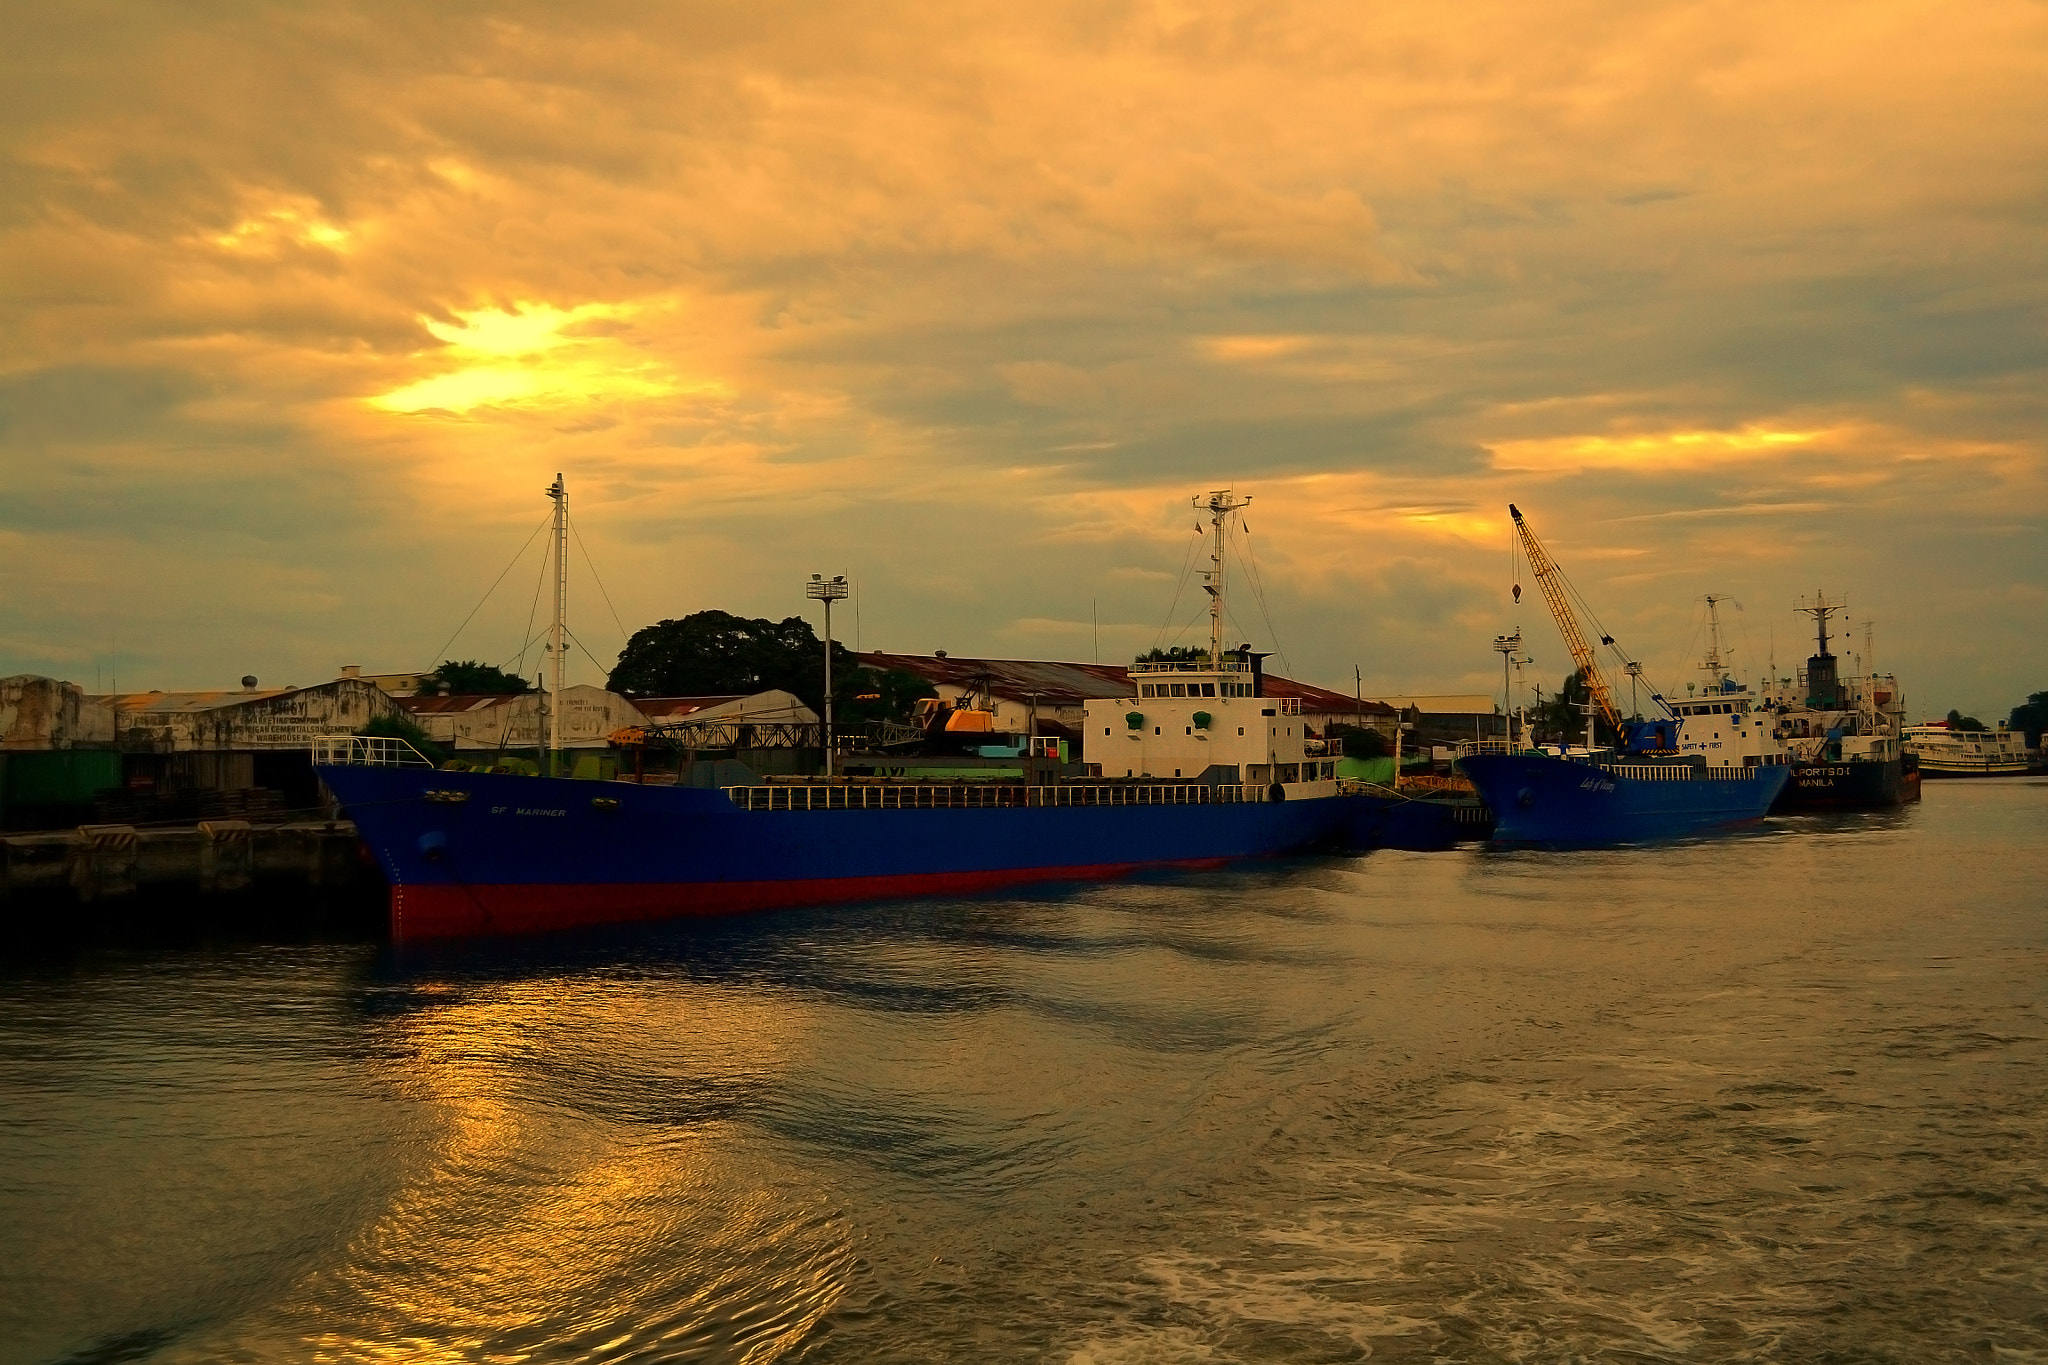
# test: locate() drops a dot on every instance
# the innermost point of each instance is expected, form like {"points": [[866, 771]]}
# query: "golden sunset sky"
{"points": [[305, 306]]}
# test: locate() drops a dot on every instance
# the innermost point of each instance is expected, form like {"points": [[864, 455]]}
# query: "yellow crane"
{"points": [[1551, 579]]}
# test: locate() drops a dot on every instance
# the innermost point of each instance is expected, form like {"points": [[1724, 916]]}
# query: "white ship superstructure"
{"points": [[1204, 718], [1726, 725]]}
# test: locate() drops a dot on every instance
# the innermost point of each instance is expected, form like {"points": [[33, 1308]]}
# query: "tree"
{"points": [[1361, 741], [470, 678], [714, 653], [1178, 654], [2032, 718], [1563, 717], [1958, 721], [398, 727]]}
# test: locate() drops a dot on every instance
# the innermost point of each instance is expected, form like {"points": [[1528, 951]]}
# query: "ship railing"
{"points": [[1677, 772], [368, 751], [1190, 666], [988, 795], [1467, 747]]}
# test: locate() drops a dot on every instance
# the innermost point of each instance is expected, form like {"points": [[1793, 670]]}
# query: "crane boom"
{"points": [[1551, 580]]}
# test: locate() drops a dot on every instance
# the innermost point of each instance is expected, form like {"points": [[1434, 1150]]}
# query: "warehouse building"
{"points": [[252, 739], [517, 721], [56, 752]]}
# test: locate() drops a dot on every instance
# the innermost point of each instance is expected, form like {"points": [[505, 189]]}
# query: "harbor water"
{"points": [[1777, 1096]]}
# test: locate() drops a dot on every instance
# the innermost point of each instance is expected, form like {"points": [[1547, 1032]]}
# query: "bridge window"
{"points": [[1208, 689]]}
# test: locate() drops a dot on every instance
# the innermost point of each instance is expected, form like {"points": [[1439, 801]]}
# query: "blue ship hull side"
{"points": [[521, 853], [1552, 802], [1416, 825]]}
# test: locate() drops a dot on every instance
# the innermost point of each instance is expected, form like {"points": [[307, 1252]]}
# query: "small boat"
{"points": [[1945, 751]]}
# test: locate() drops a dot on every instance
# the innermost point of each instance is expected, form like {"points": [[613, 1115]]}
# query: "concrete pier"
{"points": [[96, 864]]}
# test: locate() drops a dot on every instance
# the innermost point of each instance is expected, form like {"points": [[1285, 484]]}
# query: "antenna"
{"points": [[1823, 690], [1819, 608], [1713, 665], [1219, 505]]}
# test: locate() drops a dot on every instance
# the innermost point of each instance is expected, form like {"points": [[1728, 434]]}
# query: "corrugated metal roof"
{"points": [[1452, 704], [457, 703], [664, 708], [1069, 684], [1323, 701], [1017, 679], [205, 700]]}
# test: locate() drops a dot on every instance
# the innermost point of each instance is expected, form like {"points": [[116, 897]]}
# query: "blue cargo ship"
{"points": [[1706, 764], [1195, 768], [482, 853], [1547, 801]]}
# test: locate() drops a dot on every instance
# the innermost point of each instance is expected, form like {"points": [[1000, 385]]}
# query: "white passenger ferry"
{"points": [[1947, 752]]}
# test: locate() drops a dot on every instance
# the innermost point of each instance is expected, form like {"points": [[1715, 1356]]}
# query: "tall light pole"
{"points": [[828, 591]]}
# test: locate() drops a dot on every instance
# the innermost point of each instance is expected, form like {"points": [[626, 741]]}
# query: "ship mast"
{"points": [[1820, 609], [1219, 505], [1823, 687], [1712, 665], [559, 492]]}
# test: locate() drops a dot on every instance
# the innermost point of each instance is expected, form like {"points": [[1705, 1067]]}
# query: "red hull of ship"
{"points": [[454, 911]]}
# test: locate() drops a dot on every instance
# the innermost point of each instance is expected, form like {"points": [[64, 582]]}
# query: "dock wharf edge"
{"points": [[101, 862]]}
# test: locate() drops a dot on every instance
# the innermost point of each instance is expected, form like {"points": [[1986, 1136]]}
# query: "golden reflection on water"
{"points": [[606, 1215]]}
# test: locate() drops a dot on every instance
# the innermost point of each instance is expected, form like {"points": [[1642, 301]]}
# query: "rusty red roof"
{"points": [[1057, 684], [1069, 684], [1321, 700]]}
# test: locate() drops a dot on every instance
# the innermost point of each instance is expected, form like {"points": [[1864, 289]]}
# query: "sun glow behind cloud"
{"points": [[533, 355], [1649, 450], [972, 303]]}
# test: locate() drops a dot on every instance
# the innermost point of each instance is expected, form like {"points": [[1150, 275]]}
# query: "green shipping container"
{"points": [[1380, 770], [57, 777]]}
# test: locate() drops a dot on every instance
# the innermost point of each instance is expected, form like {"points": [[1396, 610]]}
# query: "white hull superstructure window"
{"points": [[1947, 752], [1202, 717]]}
